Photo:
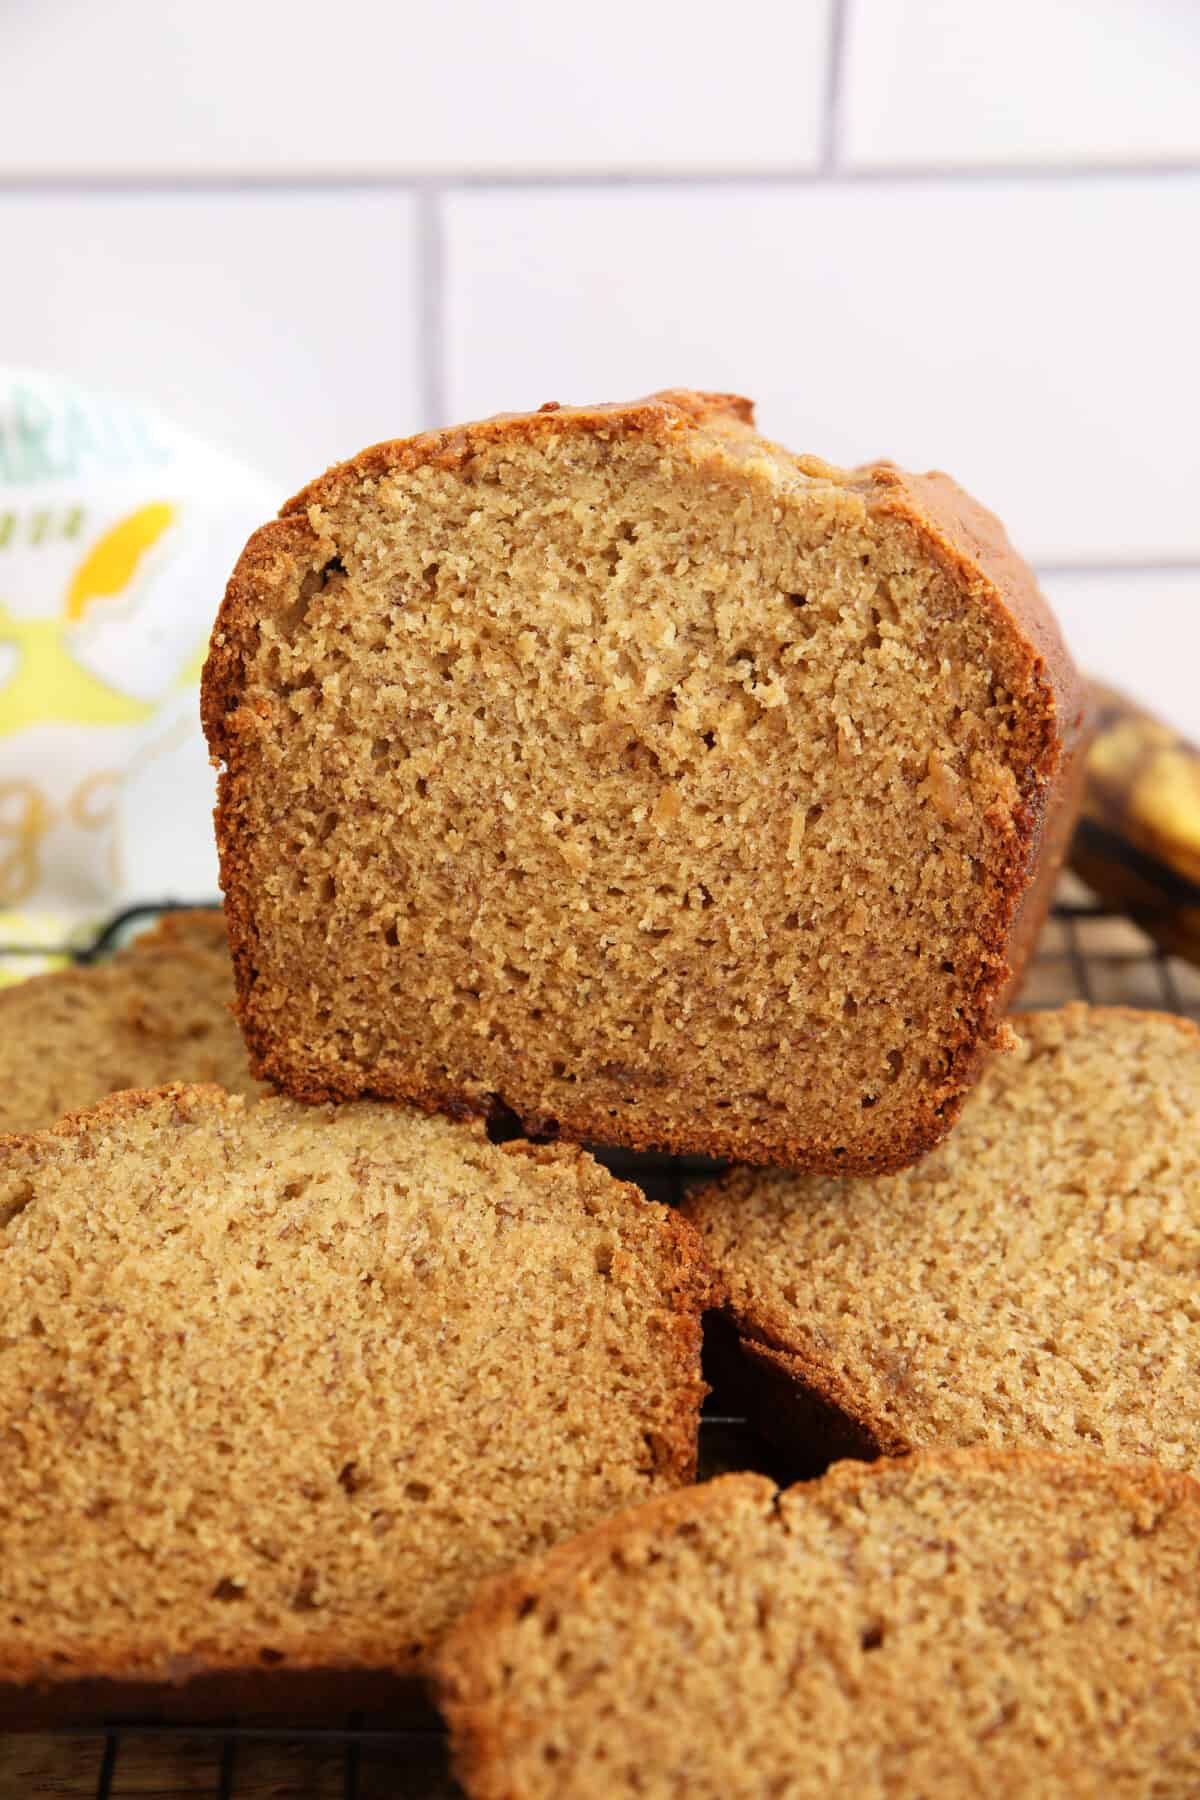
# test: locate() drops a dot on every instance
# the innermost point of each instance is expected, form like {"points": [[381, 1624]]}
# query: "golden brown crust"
{"points": [[505, 1596], [974, 542], [669, 413], [266, 564], [464, 1671], [962, 536], [190, 1097], [973, 545]]}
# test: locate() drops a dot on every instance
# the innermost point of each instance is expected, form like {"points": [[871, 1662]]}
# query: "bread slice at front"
{"points": [[970, 1623], [1033, 1281], [615, 767], [157, 1011], [279, 1385]]}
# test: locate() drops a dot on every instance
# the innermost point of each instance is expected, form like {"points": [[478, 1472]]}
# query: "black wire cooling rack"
{"points": [[1084, 953]]}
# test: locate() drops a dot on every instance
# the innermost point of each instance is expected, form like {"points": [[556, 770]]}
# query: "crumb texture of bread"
{"points": [[280, 1384], [961, 1624], [1033, 1281], [160, 1010], [617, 767]]}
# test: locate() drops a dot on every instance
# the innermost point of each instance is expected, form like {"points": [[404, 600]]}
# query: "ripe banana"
{"points": [[1137, 843]]}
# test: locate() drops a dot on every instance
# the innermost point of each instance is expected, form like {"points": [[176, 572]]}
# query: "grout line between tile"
{"points": [[431, 307], [1115, 565], [82, 185], [831, 131], [1082, 169]]}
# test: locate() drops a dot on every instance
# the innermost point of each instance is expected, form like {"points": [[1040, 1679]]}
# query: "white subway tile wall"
{"points": [[970, 83], [994, 329], [283, 326], [383, 87], [1137, 629], [941, 230]]}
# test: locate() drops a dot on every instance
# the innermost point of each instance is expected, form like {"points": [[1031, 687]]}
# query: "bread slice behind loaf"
{"points": [[157, 1011], [280, 1384], [958, 1624], [1032, 1281]]}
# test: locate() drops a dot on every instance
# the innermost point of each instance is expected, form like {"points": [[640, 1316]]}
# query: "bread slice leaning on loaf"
{"points": [[159, 1010], [957, 1624], [279, 1385], [1032, 1281], [615, 767]]}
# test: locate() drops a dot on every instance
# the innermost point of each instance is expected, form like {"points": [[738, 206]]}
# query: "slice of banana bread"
{"points": [[968, 1623], [279, 1385], [613, 766], [1033, 1281], [157, 1011]]}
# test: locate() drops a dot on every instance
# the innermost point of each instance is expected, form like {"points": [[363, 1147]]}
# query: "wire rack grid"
{"points": [[1084, 953]]}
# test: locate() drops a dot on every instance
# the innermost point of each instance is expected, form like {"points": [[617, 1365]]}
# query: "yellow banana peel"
{"points": [[1137, 843]]}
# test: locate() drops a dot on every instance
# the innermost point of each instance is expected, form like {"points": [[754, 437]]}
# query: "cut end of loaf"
{"points": [[613, 767]]}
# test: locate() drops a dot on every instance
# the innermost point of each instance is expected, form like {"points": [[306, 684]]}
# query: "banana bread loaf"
{"points": [[970, 1623], [615, 767], [279, 1385], [160, 1010], [1032, 1281]]}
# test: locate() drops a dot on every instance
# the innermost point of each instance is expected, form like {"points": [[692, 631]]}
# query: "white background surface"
{"points": [[942, 230]]}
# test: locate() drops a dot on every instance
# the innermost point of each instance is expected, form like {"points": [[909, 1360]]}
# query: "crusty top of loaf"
{"points": [[957, 530]]}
